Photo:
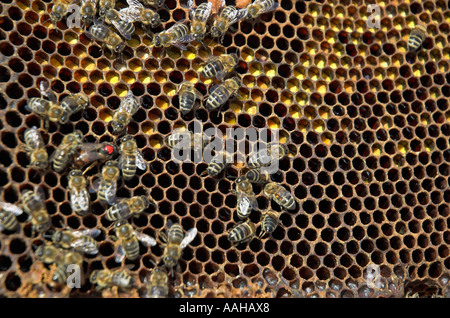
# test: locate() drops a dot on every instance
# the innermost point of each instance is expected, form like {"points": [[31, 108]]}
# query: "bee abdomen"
{"points": [[211, 69], [176, 234], [268, 224], [241, 233], [286, 201], [187, 101], [132, 249], [129, 168], [9, 222], [256, 176], [122, 280], [416, 38], [60, 275]]}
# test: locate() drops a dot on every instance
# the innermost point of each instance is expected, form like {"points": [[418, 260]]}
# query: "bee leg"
{"points": [[89, 168]]}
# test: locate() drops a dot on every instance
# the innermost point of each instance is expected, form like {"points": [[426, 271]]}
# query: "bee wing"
{"points": [[183, 39], [135, 3], [44, 87], [187, 3], [80, 197], [246, 203], [147, 240], [11, 208], [85, 246], [120, 163], [110, 193], [119, 28], [90, 232], [188, 238], [239, 15], [140, 162], [120, 253], [272, 8]]}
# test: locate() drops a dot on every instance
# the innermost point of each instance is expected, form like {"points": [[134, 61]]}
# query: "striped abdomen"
{"points": [[212, 68], [60, 275], [178, 30], [242, 232], [218, 97], [259, 159], [416, 38], [228, 13], [216, 165], [256, 176], [268, 224], [175, 234], [118, 211], [129, 166], [104, 186], [187, 101], [8, 220], [131, 248], [284, 199]]}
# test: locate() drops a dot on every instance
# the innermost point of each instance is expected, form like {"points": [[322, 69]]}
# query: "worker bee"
{"points": [[416, 38], [65, 151], [259, 7], [92, 151], [157, 285], [69, 105], [88, 10], [127, 241], [280, 195], [227, 17], [35, 147], [246, 198], [187, 139], [104, 6], [130, 158], [80, 241], [219, 66], [136, 12], [34, 205], [187, 95], [218, 162], [257, 176], [59, 11], [270, 221], [79, 196], [122, 117], [127, 207], [176, 35], [266, 155], [40, 105], [8, 213], [50, 254], [242, 232], [220, 94], [125, 28], [106, 278], [176, 241], [99, 31], [199, 17], [106, 185]]}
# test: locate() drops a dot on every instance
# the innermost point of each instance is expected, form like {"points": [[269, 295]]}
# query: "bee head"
{"points": [[252, 11], [155, 20], [41, 159], [198, 36], [87, 19], [116, 126], [75, 173]]}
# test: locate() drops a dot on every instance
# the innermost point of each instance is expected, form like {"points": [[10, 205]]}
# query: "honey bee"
{"points": [[79, 196], [199, 17], [136, 12], [130, 158], [92, 151], [217, 164], [127, 241], [219, 66], [34, 205], [176, 35], [125, 28], [227, 17], [153, 3], [259, 7], [104, 6], [416, 38], [187, 95], [280, 195], [107, 183], [59, 11], [8, 213], [65, 151], [246, 198], [186, 139], [266, 155], [69, 105], [257, 176], [127, 207], [80, 241], [106, 278], [88, 10], [99, 31], [50, 254], [270, 221], [157, 286], [242, 232], [176, 241], [220, 94], [35, 147], [122, 117]]}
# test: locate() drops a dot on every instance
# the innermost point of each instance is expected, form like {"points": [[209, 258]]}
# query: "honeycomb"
{"points": [[367, 124]]}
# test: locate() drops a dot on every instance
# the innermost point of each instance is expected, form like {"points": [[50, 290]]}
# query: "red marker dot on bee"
{"points": [[109, 149]]}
